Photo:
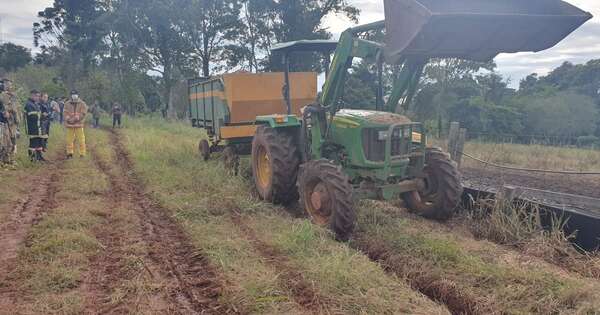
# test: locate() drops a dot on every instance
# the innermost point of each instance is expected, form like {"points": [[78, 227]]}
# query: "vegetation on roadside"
{"points": [[203, 200], [533, 156]]}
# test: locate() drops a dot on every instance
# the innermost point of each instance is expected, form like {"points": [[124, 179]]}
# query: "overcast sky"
{"points": [[17, 17]]}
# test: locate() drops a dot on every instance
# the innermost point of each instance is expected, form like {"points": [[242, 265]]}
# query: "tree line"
{"points": [[149, 46], [560, 107], [139, 53]]}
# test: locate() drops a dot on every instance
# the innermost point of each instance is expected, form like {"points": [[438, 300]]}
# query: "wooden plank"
{"points": [[244, 131], [453, 139], [460, 145]]}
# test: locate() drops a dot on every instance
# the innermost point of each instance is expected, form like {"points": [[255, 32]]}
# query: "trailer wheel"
{"points": [[326, 194], [443, 188], [204, 149], [275, 161]]}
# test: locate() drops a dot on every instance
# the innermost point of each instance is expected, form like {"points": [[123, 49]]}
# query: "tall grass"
{"points": [[534, 156]]}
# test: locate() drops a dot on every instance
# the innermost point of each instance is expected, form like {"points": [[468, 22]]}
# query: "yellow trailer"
{"points": [[226, 106]]}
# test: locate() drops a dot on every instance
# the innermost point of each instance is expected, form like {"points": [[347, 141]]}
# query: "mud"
{"points": [[107, 268], [303, 292], [26, 213], [584, 185], [434, 286], [194, 285]]}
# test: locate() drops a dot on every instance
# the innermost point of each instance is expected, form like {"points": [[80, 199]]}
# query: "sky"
{"points": [[17, 17]]}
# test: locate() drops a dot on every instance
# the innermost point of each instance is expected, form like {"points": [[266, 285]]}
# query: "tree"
{"points": [[207, 26], [155, 31], [73, 24], [13, 57], [565, 114]]}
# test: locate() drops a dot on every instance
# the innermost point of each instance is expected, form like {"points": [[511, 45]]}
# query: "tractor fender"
{"points": [[279, 121]]}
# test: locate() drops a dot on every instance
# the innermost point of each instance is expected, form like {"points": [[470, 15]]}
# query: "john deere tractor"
{"points": [[329, 157]]}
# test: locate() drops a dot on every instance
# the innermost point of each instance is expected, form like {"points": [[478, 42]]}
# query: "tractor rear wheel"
{"points": [[204, 149], [275, 162], [443, 188], [326, 194]]}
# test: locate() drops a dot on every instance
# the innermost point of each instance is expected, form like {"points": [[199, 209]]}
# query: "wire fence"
{"points": [[588, 142], [531, 170]]}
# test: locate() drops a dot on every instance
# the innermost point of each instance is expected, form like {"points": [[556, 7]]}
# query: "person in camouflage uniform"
{"points": [[12, 116]]}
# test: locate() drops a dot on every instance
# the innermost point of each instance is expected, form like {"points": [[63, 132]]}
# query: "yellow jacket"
{"points": [[75, 113]]}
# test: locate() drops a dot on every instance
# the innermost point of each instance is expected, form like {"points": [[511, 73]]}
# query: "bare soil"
{"points": [[583, 185], [26, 213], [194, 285]]}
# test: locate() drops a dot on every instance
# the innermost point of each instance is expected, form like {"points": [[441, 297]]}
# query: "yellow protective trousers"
{"points": [[75, 134]]}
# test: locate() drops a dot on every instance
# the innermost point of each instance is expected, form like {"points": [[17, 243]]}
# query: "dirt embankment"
{"points": [[193, 284], [25, 214]]}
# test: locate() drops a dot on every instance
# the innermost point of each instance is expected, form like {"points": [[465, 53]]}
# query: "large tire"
{"points": [[275, 162], [204, 149], [326, 194], [443, 188]]}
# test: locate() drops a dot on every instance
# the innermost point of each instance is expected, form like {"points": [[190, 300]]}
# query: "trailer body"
{"points": [[227, 106]]}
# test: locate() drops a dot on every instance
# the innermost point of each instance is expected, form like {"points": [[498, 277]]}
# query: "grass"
{"points": [[203, 200], [534, 156], [59, 247], [521, 226], [58, 259], [203, 197], [476, 267]]}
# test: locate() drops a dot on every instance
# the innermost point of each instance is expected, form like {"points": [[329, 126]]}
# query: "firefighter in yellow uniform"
{"points": [[75, 111]]}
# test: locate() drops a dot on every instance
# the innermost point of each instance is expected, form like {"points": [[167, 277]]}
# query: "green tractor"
{"points": [[332, 156]]}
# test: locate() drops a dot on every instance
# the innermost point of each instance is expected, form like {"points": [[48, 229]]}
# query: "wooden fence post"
{"points": [[460, 145], [453, 139]]}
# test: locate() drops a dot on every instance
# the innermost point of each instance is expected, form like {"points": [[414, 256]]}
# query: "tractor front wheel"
{"points": [[204, 149], [326, 194], [275, 162], [442, 191]]}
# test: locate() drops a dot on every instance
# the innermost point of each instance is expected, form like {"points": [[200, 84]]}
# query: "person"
{"points": [[95, 110], [5, 143], [12, 116], [61, 108], [116, 113], [33, 114], [46, 119], [55, 109], [75, 111]]}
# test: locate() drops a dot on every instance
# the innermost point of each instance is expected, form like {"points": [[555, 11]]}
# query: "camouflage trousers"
{"points": [[6, 145]]}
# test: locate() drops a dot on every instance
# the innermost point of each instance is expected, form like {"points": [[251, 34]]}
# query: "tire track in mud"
{"points": [[107, 269], [26, 214], [431, 285], [194, 284], [302, 291]]}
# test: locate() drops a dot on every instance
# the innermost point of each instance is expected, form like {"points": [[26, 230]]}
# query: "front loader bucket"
{"points": [[476, 29]]}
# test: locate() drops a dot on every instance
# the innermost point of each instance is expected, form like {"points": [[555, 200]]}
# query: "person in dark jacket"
{"points": [[46, 109], [33, 114], [116, 113]]}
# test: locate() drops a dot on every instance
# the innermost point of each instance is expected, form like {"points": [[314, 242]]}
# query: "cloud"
{"points": [[579, 47], [16, 20]]}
